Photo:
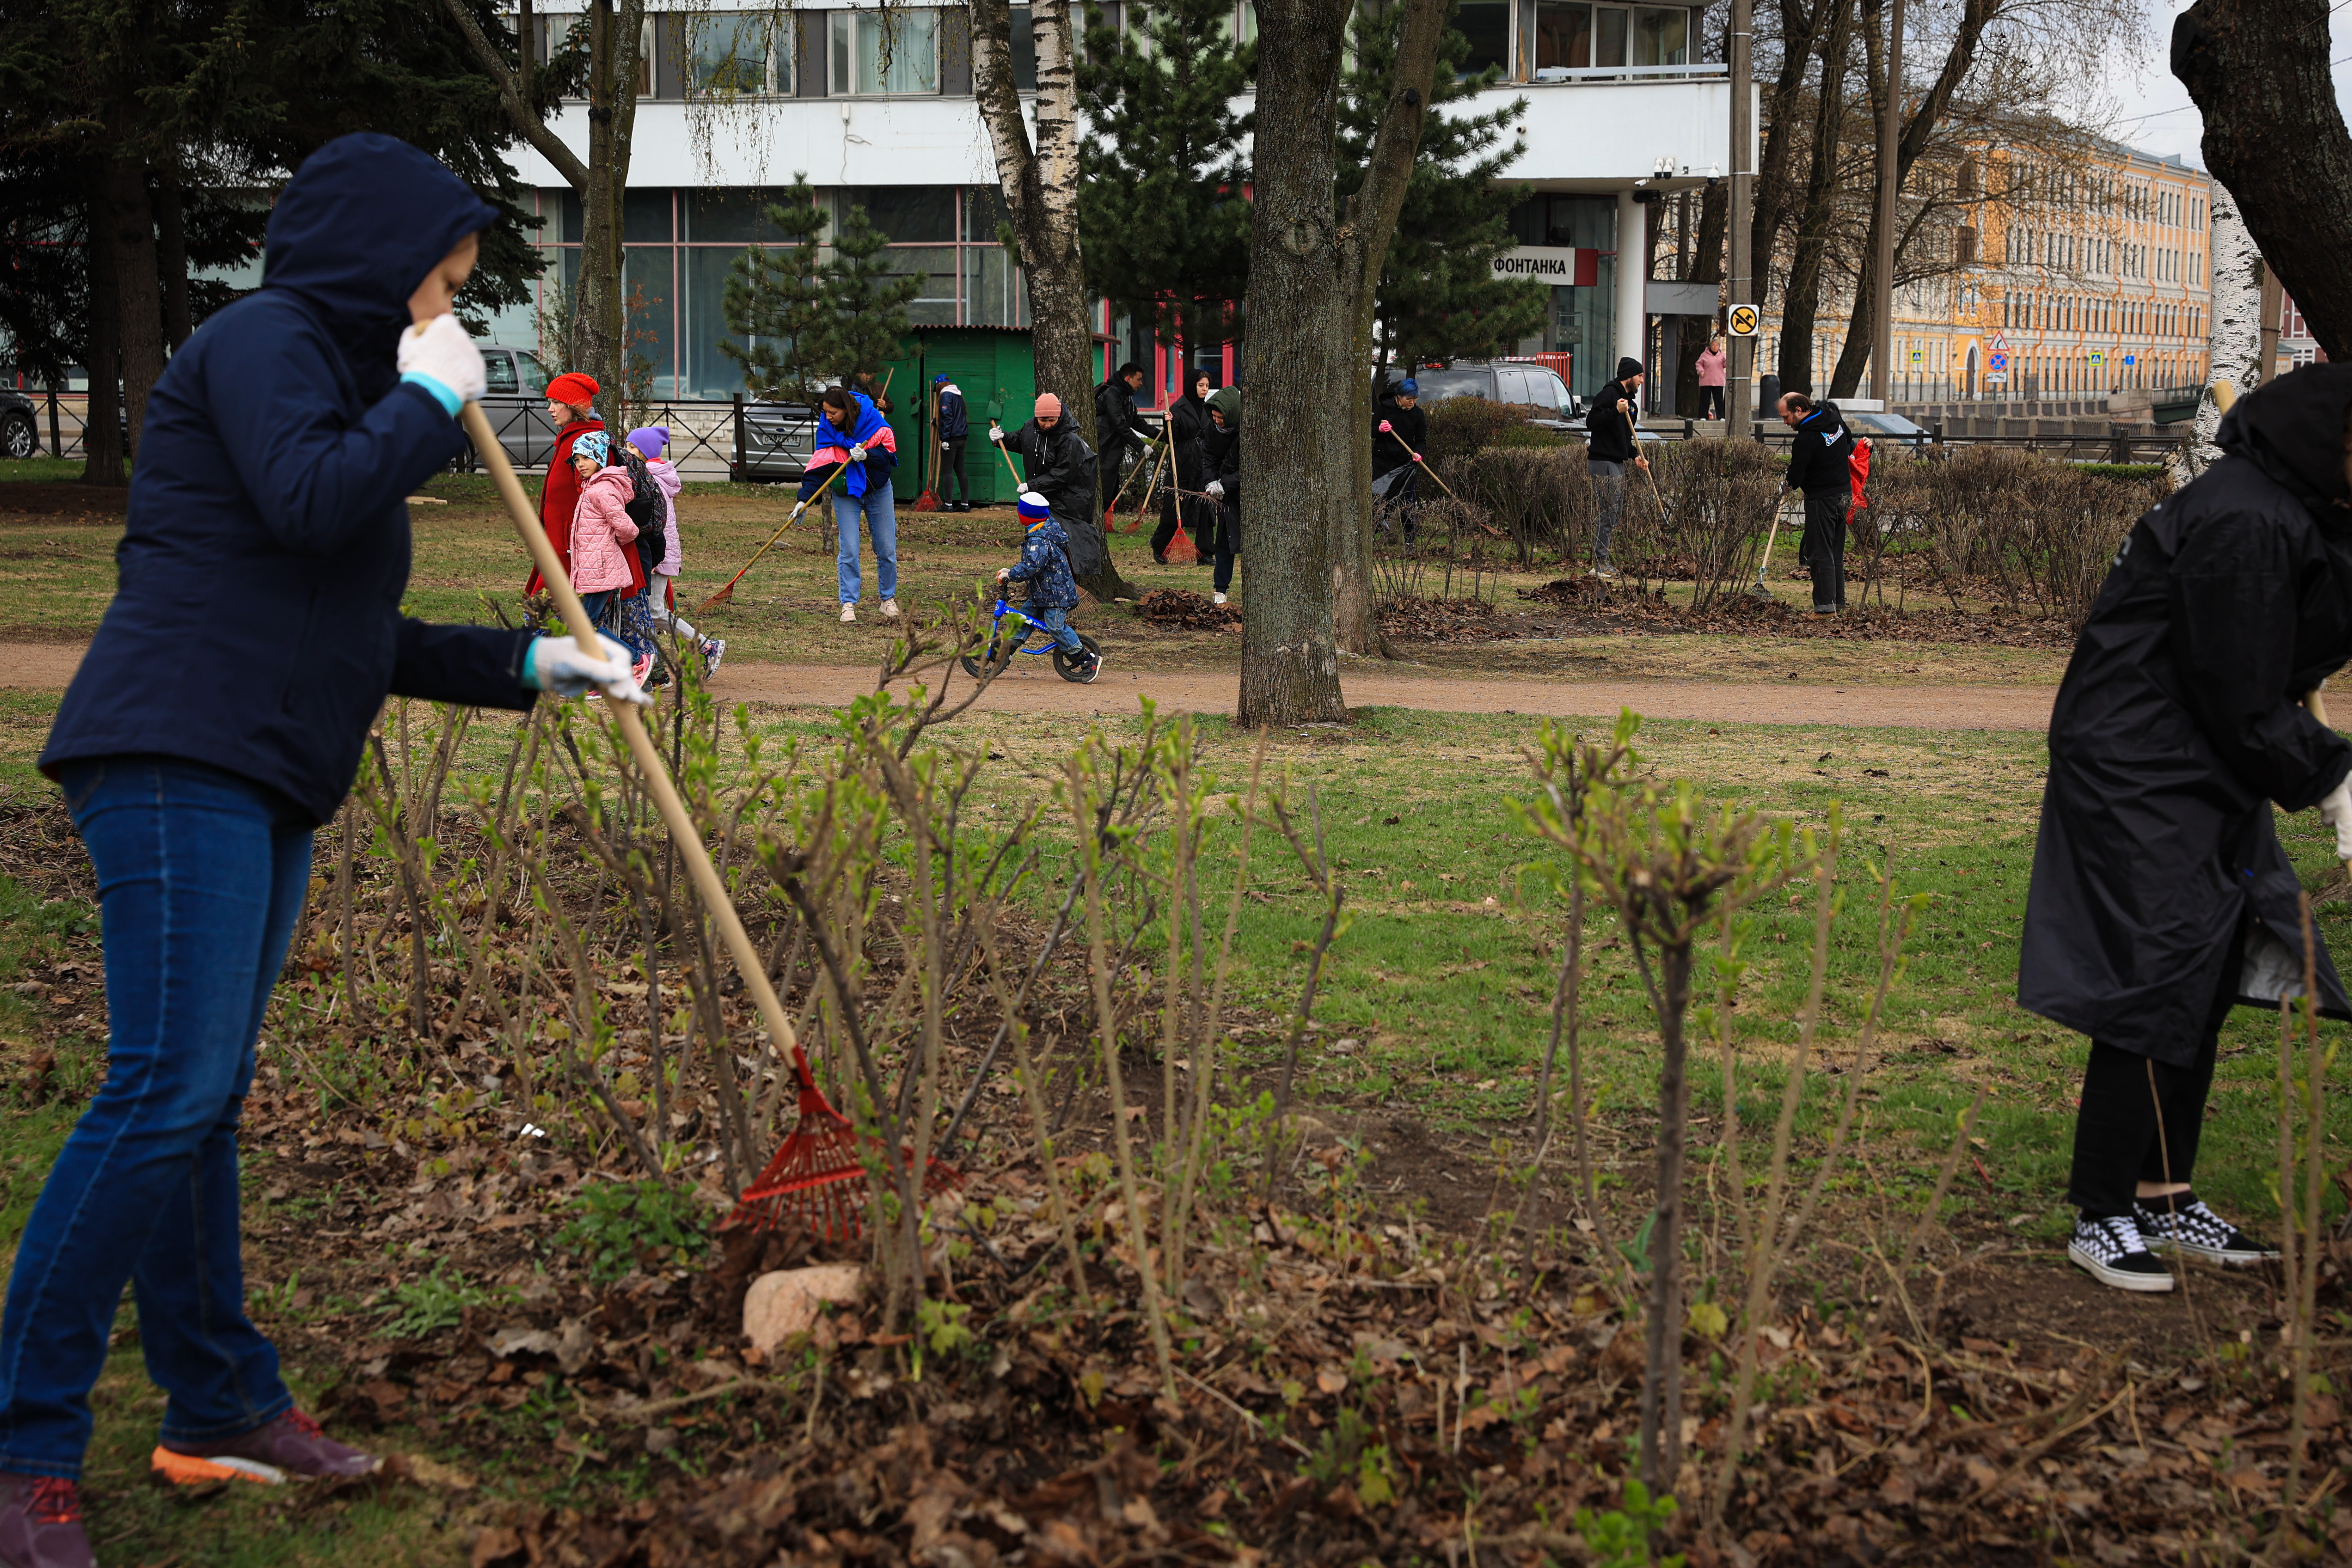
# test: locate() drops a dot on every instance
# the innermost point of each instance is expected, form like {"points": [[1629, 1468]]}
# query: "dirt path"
{"points": [[48, 667]]}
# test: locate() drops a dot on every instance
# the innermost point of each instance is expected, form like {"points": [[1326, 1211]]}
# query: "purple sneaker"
{"points": [[292, 1444], [40, 1523]]}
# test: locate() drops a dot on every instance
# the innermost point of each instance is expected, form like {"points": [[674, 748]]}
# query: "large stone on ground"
{"points": [[788, 1301]]}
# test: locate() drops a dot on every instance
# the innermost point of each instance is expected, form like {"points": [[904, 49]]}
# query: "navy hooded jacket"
{"points": [[256, 626]]}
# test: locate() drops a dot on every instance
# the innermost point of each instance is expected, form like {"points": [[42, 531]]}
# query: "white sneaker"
{"points": [[1221, 598], [889, 609], [2114, 1253], [848, 614]]}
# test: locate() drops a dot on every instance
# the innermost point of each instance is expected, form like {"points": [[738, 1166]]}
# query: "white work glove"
{"points": [[1217, 489], [1004, 574], [857, 454], [996, 433], [2335, 810], [557, 664], [442, 352]]}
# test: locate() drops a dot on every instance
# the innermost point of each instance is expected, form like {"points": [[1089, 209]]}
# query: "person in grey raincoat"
{"points": [[2160, 895]]}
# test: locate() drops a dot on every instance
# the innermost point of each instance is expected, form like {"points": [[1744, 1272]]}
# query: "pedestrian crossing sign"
{"points": [[1918, 357]]}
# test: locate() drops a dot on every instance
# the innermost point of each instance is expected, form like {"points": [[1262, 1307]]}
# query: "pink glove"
{"points": [[1416, 456], [1384, 429]]}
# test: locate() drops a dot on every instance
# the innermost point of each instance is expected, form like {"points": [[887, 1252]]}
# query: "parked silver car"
{"points": [[516, 405], [1502, 381], [20, 430]]}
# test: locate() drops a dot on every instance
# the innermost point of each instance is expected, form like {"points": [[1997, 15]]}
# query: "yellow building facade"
{"points": [[2070, 280]]}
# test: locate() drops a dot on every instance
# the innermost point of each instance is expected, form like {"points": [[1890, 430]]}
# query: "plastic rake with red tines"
{"points": [[813, 1181]]}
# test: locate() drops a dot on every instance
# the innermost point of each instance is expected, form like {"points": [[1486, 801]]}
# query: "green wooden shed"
{"points": [[997, 372]]}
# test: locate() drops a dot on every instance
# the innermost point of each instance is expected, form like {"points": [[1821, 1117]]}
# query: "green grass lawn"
{"points": [[60, 575]]}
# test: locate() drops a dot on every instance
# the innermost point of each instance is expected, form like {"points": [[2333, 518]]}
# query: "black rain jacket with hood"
{"points": [[2179, 724]]}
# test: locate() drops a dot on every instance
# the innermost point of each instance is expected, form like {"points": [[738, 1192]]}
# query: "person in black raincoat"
{"points": [[2160, 895], [1221, 471], [1061, 468], [1399, 438], [1188, 427], [1117, 426]]}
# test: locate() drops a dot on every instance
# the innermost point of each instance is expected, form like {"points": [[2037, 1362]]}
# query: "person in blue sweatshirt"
{"points": [[1045, 565], [217, 721]]}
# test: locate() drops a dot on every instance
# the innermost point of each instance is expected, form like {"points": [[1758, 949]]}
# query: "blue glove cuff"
{"points": [[447, 396], [530, 675]]}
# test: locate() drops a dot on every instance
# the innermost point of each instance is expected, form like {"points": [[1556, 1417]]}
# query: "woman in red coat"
{"points": [[570, 403]]}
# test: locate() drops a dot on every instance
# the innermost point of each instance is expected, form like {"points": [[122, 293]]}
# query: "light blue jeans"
{"points": [[882, 521], [1057, 622]]}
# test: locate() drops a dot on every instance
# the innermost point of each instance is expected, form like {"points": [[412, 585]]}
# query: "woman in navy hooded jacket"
{"points": [[216, 722]]}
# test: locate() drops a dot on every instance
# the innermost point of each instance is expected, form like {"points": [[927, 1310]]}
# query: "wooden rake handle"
{"points": [[674, 815]]}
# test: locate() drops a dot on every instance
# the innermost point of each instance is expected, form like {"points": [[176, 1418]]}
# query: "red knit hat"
{"points": [[573, 388]]}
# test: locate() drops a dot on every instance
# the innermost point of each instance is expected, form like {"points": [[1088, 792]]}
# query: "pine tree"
{"points": [[1438, 296], [868, 301], [780, 302], [1162, 217]]}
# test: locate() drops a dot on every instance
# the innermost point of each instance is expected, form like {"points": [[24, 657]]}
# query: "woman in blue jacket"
{"points": [[218, 718]]}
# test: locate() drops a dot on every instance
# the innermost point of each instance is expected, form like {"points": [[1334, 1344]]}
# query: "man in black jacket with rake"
{"points": [[1819, 465]]}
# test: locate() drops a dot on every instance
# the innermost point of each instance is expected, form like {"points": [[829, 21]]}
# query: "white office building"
{"points": [[732, 107]]}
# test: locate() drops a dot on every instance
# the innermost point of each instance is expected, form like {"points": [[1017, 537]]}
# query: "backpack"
{"points": [[1857, 468], [646, 509]]}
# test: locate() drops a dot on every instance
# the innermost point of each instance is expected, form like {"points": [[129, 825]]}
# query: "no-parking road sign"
{"points": [[1998, 361]]}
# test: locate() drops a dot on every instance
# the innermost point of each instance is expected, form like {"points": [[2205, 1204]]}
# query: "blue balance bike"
{"points": [[1004, 641]]}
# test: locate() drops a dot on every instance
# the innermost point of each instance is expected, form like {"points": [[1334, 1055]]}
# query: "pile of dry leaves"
{"points": [[1183, 609]]}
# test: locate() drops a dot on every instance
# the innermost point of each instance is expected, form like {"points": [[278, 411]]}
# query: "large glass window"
{"points": [[893, 53], [1487, 24], [682, 247], [1610, 44], [1025, 50], [1661, 36], [730, 53], [1563, 35]]}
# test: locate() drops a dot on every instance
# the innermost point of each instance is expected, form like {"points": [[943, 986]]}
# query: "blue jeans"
{"points": [[201, 877], [1058, 623], [882, 522]]}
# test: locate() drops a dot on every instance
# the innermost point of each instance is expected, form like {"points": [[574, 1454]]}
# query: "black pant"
{"points": [[2140, 1117], [1710, 403], [1113, 454], [952, 467], [1223, 547], [1824, 550]]}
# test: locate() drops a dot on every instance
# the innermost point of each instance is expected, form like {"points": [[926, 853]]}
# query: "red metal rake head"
{"points": [[816, 1182]]}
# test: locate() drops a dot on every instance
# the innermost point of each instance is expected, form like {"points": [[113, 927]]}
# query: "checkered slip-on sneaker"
{"points": [[2113, 1252], [2182, 1220]]}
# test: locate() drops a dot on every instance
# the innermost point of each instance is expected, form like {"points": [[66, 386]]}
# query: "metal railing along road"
{"points": [[708, 439]]}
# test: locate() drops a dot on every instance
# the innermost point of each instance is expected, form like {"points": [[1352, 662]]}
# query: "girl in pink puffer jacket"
{"points": [[600, 525]]}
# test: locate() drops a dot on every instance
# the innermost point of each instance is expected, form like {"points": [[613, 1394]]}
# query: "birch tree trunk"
{"points": [[2258, 71], [1312, 281], [2235, 312], [1040, 181]]}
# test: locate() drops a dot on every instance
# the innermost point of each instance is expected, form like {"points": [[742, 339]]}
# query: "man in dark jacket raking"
{"points": [[1061, 468], [1117, 425], [1610, 446], [2160, 896], [1818, 459]]}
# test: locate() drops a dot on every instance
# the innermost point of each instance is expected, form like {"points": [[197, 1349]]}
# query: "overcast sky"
{"points": [[2152, 112]]}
